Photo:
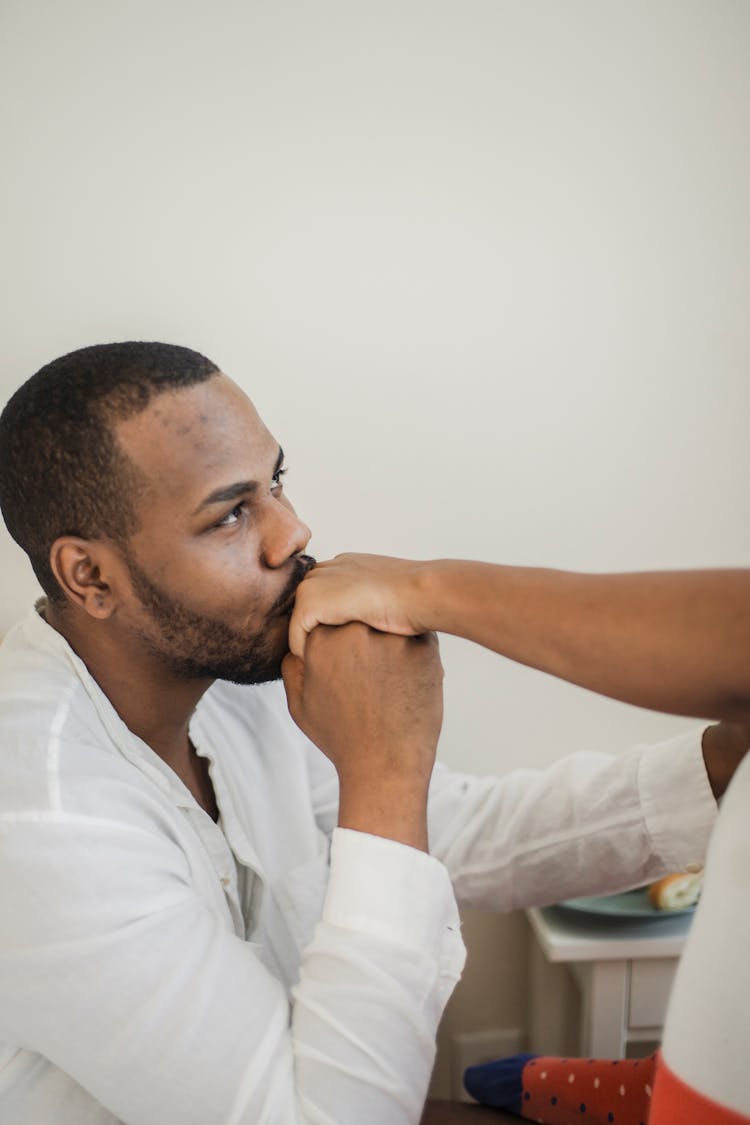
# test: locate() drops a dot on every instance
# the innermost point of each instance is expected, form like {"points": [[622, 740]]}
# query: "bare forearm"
{"points": [[671, 641]]}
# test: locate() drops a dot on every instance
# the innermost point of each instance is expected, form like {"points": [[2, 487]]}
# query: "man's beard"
{"points": [[194, 646]]}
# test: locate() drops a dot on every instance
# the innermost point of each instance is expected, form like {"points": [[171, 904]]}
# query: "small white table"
{"points": [[623, 971]]}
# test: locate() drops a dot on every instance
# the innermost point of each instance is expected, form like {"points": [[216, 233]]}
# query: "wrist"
{"points": [[430, 596], [395, 809]]}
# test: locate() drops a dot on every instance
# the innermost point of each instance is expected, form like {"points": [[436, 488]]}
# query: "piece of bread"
{"points": [[676, 892]]}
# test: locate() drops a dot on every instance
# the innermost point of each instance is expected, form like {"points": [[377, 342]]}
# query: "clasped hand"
{"points": [[372, 702]]}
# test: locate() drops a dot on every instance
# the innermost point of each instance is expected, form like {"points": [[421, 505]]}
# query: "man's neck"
{"points": [[153, 703]]}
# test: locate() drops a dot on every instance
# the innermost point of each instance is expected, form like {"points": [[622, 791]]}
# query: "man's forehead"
{"points": [[190, 438]]}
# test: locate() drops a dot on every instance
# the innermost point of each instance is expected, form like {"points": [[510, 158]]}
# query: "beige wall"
{"points": [[482, 264]]}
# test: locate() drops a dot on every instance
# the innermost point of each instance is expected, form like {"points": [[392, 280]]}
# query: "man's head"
{"points": [[146, 491]]}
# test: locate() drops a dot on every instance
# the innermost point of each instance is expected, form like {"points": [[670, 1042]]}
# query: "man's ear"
{"points": [[84, 571]]}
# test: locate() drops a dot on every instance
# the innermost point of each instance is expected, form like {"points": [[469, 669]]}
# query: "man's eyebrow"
{"points": [[235, 490], [228, 492]]}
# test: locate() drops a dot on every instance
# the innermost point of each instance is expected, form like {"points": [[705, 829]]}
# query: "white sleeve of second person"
{"points": [[589, 824], [163, 1014]]}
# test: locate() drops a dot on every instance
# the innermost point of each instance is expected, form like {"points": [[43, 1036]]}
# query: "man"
{"points": [[203, 918]]}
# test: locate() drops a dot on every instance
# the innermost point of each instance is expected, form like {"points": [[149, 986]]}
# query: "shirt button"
{"points": [[693, 868], [225, 880]]}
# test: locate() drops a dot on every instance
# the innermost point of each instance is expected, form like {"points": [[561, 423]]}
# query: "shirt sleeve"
{"points": [[590, 824], [114, 970]]}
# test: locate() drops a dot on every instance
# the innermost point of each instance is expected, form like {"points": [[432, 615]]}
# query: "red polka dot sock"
{"points": [[587, 1091], [555, 1091]]}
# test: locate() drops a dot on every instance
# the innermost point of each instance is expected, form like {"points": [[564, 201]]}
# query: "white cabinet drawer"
{"points": [[650, 986]]}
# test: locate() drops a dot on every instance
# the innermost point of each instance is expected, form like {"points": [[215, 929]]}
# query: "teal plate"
{"points": [[630, 904]]}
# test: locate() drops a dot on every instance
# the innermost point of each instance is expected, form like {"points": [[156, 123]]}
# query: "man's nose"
{"points": [[284, 534]]}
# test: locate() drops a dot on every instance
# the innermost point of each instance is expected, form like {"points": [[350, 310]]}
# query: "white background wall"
{"points": [[483, 265]]}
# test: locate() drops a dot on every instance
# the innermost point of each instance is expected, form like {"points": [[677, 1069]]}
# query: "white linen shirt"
{"points": [[142, 981]]}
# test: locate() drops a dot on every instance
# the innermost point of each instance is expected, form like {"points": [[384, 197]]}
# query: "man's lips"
{"points": [[285, 602], [307, 562]]}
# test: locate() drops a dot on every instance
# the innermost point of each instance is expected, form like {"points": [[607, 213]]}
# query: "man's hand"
{"points": [[379, 591], [372, 702], [724, 747]]}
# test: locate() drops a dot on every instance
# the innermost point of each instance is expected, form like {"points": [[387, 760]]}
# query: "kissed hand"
{"points": [[376, 590]]}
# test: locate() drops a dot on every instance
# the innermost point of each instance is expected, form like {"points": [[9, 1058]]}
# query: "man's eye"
{"points": [[276, 480], [232, 517]]}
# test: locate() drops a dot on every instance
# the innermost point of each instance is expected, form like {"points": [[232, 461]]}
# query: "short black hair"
{"points": [[61, 469]]}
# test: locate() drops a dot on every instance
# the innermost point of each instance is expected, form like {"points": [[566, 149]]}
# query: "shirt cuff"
{"points": [[678, 805], [393, 892]]}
